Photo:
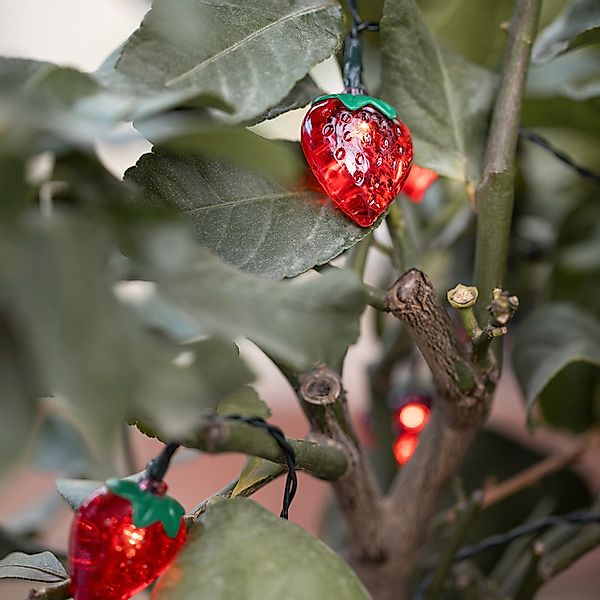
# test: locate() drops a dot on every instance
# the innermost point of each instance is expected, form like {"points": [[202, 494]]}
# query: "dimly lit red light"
{"points": [[418, 182], [405, 446]]}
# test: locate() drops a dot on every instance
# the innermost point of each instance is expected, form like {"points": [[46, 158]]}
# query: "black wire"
{"points": [[291, 480], [517, 532], [542, 142], [158, 466], [504, 538], [353, 9]]}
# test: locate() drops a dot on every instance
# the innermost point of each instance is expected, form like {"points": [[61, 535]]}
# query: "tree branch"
{"points": [[218, 434], [462, 388], [495, 193], [323, 400]]}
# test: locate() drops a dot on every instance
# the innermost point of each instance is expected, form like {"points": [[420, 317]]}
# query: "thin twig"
{"points": [[528, 477]]}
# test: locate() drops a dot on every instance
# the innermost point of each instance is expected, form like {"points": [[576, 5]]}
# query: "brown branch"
{"points": [[462, 402], [462, 388], [323, 400], [530, 476]]}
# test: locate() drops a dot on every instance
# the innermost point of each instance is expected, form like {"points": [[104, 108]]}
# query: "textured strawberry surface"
{"points": [[360, 157], [109, 557]]}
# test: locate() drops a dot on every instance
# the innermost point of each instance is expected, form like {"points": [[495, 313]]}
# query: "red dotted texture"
{"points": [[109, 557], [361, 158]]}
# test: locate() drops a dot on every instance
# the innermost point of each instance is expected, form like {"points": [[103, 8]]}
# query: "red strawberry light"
{"points": [[360, 152], [123, 537], [418, 182]]}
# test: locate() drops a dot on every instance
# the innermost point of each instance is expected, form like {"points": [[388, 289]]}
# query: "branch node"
{"points": [[321, 387]]}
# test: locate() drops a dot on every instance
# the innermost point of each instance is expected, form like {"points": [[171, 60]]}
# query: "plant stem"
{"points": [[323, 400], [217, 434], [456, 539], [404, 255], [560, 560], [357, 256], [495, 193]]}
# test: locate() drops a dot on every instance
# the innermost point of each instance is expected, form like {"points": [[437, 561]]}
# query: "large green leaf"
{"points": [[19, 391], [95, 356], [55, 271], [187, 137], [577, 25], [299, 324], [464, 25], [240, 550], [444, 99], [43, 567], [556, 358], [247, 218], [249, 54]]}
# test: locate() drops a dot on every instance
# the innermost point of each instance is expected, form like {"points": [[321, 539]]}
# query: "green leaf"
{"points": [[556, 358], [243, 551], [470, 30], [59, 446], [248, 219], [298, 324], [221, 49], [189, 137], [148, 508], [181, 385], [21, 389], [83, 339], [255, 473], [75, 491], [444, 99], [43, 567], [246, 402], [577, 25], [91, 351], [302, 94]]}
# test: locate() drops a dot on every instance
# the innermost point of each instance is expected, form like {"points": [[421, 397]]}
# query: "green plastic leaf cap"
{"points": [[355, 101], [148, 508]]}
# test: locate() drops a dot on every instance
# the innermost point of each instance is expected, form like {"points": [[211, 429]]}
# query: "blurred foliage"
{"points": [[208, 220]]}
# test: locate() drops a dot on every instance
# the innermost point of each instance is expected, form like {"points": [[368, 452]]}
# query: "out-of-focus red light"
{"points": [[418, 181], [413, 416], [405, 446]]}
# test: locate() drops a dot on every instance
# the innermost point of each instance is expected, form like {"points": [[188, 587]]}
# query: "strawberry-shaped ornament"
{"points": [[419, 180], [356, 146], [123, 537]]}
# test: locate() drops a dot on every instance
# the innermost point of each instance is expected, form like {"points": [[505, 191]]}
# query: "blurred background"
{"points": [[81, 33]]}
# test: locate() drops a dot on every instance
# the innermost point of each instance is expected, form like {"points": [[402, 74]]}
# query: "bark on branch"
{"points": [[323, 400], [462, 388], [218, 434]]}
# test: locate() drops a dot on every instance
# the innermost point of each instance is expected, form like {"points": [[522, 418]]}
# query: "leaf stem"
{"points": [[404, 252], [357, 256]]}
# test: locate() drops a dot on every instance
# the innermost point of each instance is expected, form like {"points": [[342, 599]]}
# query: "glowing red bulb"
{"points": [[418, 182], [413, 416], [405, 446], [112, 556], [359, 152]]}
